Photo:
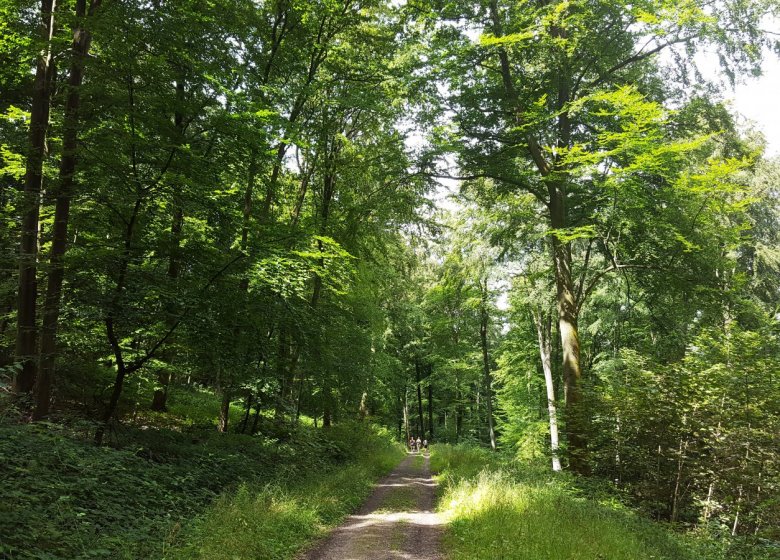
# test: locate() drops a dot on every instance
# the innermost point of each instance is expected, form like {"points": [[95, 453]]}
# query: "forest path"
{"points": [[396, 522]]}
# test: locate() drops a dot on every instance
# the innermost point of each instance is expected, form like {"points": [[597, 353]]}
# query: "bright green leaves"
{"points": [[489, 40]]}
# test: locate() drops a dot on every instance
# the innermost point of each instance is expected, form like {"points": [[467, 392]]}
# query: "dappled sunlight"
{"points": [[421, 518]]}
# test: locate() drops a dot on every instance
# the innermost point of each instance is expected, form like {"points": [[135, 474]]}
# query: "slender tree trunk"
{"points": [[430, 409], [282, 358], [458, 409], [483, 332], [247, 412], [327, 405], [26, 333], [116, 393], [406, 413], [165, 375], [110, 320], [51, 310], [543, 331], [299, 398], [420, 416], [224, 411]]}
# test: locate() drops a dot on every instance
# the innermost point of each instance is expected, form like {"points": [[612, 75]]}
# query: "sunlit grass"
{"points": [[492, 507], [274, 522]]}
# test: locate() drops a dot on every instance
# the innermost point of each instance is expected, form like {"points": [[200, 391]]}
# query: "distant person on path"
{"points": [[425, 444], [411, 444], [419, 442]]}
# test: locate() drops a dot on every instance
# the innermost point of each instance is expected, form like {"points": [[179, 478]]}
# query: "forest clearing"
{"points": [[390, 279]]}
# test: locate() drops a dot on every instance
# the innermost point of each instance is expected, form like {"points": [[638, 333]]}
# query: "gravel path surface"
{"points": [[397, 522]]}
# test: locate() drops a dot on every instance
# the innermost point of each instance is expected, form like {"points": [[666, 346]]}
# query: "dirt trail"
{"points": [[397, 522]]}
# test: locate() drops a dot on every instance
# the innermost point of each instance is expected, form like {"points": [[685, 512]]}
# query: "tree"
{"points": [[520, 96]]}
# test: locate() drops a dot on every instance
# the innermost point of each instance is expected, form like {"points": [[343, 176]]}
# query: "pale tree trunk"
{"points": [[488, 377], [406, 413], [543, 324], [224, 407], [26, 335], [51, 310]]}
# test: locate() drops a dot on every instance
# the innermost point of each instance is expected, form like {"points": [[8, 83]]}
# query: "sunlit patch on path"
{"points": [[397, 522]]}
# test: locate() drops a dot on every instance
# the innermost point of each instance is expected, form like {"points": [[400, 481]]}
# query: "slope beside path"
{"points": [[397, 522]]}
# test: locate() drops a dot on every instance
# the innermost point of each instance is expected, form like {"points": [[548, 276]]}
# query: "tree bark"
{"points": [[421, 426], [430, 406], [26, 333], [568, 315], [224, 411], [543, 324], [483, 332], [82, 39]]}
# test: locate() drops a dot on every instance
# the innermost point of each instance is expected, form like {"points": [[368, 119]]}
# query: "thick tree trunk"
{"points": [[26, 334], [568, 308], [51, 310], [483, 332], [568, 314], [543, 331]]}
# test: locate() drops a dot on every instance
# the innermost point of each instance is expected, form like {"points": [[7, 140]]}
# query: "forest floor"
{"points": [[397, 522]]}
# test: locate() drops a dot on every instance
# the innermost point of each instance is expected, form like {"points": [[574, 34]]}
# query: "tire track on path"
{"points": [[397, 522]]}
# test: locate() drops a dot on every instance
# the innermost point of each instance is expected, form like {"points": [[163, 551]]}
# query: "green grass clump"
{"points": [[497, 510]]}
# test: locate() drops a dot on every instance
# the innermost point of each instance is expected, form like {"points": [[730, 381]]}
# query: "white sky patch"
{"points": [[758, 100]]}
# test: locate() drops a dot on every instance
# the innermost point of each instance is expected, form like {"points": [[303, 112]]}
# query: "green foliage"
{"points": [[65, 498]]}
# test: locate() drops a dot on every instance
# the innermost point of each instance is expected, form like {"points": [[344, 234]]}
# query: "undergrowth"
{"points": [[175, 494], [506, 510]]}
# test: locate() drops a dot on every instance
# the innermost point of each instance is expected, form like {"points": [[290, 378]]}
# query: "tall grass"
{"points": [[501, 511], [275, 521]]}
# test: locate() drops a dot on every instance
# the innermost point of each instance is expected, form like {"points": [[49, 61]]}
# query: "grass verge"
{"points": [[508, 511], [275, 521]]}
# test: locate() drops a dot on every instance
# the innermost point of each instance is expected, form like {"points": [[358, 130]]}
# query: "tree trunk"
{"points": [[420, 425], [110, 320], [543, 324], [247, 412], [26, 335], [224, 411], [406, 413], [568, 314], [483, 332], [116, 393], [165, 374], [430, 408], [51, 310], [568, 309]]}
